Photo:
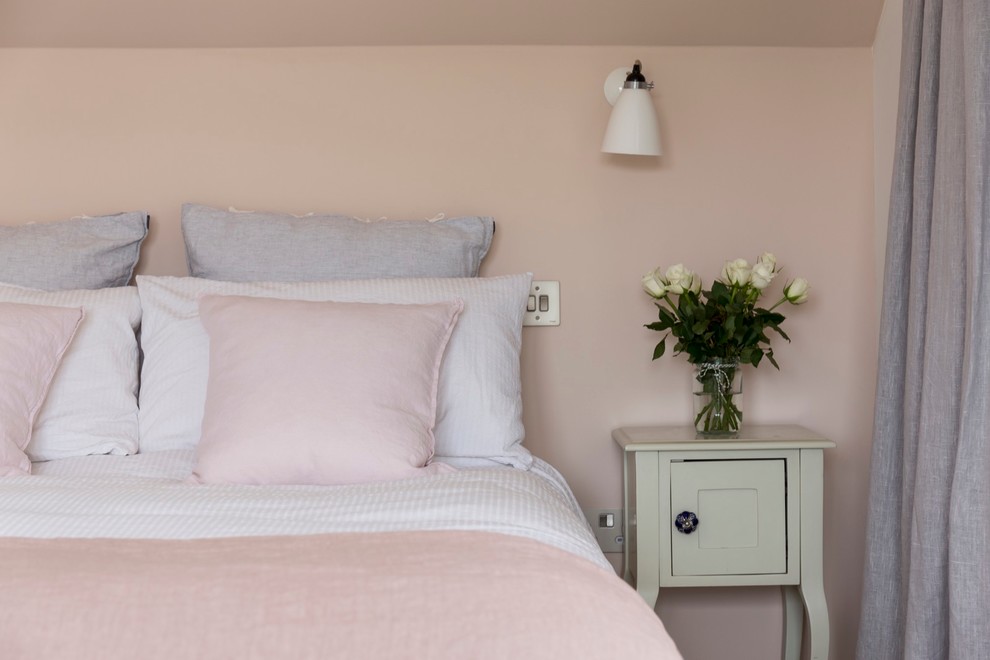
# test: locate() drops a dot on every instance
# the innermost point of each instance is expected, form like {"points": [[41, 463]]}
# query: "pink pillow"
{"points": [[320, 392], [33, 339]]}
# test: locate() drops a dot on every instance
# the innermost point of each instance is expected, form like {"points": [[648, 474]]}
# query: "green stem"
{"points": [[719, 415], [778, 304]]}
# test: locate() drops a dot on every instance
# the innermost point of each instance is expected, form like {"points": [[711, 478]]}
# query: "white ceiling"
{"points": [[263, 23]]}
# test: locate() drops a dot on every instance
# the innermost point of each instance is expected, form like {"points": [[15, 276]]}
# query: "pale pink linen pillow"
{"points": [[33, 339], [320, 392]]}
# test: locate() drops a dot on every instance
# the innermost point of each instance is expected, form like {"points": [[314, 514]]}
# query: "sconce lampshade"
{"points": [[632, 127]]}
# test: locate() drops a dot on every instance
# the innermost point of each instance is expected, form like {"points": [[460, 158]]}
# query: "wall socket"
{"points": [[608, 528]]}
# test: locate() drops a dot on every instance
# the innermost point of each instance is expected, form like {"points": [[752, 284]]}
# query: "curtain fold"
{"points": [[927, 577]]}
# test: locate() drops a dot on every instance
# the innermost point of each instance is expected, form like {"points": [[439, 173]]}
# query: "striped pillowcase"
{"points": [[91, 407]]}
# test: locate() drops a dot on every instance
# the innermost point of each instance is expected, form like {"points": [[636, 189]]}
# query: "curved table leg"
{"points": [[793, 622], [814, 602]]}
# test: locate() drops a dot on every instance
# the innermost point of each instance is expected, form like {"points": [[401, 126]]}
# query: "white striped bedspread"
{"points": [[144, 496]]}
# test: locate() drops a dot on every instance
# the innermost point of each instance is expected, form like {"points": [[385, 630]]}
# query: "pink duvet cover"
{"points": [[445, 595]]}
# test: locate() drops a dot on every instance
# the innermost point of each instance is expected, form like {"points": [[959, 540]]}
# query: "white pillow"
{"points": [[91, 407], [480, 401]]}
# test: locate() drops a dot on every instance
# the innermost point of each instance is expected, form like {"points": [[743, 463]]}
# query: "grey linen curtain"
{"points": [[927, 577]]}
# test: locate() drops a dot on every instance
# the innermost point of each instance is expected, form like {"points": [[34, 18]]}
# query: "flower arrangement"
{"points": [[719, 329]]}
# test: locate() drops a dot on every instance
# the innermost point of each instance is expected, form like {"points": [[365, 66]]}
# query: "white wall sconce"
{"points": [[632, 127]]}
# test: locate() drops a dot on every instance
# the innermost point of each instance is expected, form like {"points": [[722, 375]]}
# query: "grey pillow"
{"points": [[251, 247], [82, 253]]}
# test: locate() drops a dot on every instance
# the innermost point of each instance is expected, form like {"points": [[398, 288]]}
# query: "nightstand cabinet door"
{"points": [[740, 507]]}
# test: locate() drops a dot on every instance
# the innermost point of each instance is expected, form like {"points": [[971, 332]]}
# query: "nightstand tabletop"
{"points": [[685, 438]]}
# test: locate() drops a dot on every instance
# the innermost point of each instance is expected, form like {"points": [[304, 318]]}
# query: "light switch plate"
{"points": [[543, 307], [610, 539]]}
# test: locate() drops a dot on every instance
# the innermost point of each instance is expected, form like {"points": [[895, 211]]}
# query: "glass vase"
{"points": [[718, 398]]}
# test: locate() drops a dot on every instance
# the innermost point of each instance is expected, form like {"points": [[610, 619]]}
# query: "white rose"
{"points": [[761, 275], [654, 285], [796, 291], [769, 259], [695, 287], [679, 279], [736, 272]]}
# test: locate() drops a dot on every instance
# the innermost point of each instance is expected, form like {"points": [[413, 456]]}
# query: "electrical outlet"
{"points": [[543, 305], [607, 526]]}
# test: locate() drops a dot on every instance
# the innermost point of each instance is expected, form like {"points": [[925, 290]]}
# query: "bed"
{"points": [[272, 459]]}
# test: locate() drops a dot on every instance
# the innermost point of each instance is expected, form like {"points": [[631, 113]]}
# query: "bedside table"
{"points": [[705, 512]]}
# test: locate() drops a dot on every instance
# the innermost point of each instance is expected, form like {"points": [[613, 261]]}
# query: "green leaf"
{"points": [[719, 290], [666, 316], [659, 350], [730, 326], [780, 332]]}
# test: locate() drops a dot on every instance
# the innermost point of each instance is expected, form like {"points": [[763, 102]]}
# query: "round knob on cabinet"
{"points": [[686, 522]]}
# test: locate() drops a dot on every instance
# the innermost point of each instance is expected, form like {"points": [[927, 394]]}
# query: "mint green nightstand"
{"points": [[750, 513]]}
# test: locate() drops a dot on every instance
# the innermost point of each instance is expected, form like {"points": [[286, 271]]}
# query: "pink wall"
{"points": [[766, 149]]}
